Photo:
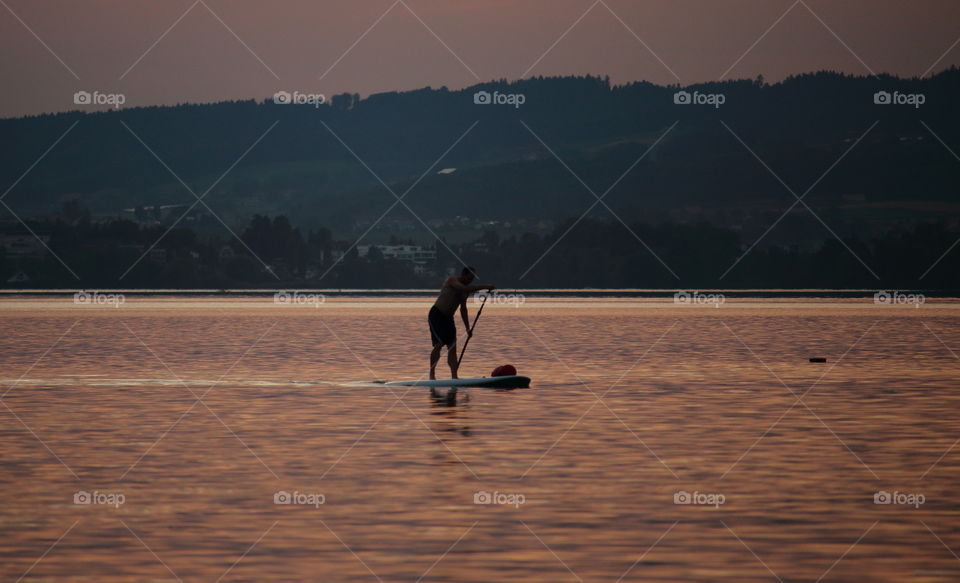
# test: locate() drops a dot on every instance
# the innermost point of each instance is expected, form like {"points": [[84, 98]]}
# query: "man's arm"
{"points": [[459, 286], [466, 318]]}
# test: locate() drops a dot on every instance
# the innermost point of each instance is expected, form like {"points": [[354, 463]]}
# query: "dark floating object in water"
{"points": [[818, 359]]}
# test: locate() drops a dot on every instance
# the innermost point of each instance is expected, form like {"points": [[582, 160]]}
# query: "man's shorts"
{"points": [[442, 329]]}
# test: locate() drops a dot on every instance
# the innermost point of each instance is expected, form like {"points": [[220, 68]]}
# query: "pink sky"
{"points": [[290, 44]]}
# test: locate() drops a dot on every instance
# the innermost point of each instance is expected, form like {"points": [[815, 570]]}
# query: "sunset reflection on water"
{"points": [[200, 411]]}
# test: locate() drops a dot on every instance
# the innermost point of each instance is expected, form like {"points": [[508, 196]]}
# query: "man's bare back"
{"points": [[451, 295]]}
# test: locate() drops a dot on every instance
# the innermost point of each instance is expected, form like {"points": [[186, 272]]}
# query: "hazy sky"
{"points": [[170, 51]]}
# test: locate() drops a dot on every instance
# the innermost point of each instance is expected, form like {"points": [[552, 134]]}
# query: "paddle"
{"points": [[470, 335]]}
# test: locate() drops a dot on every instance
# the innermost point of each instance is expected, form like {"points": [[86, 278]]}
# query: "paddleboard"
{"points": [[508, 382]]}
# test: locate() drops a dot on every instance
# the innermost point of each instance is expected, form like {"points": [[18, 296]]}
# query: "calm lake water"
{"points": [[636, 405]]}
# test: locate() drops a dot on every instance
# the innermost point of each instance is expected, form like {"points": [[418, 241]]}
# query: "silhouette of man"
{"points": [[443, 332]]}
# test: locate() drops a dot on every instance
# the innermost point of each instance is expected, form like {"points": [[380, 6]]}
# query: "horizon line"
{"points": [[501, 81]]}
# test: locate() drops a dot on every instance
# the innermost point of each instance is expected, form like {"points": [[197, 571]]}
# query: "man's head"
{"points": [[468, 274]]}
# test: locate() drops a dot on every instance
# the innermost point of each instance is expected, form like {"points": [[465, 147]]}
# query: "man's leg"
{"points": [[434, 359], [452, 360]]}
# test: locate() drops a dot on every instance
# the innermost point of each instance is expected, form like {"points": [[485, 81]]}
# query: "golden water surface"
{"points": [[186, 419]]}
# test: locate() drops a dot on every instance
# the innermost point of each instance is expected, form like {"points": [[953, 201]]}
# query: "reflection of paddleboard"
{"points": [[508, 382]]}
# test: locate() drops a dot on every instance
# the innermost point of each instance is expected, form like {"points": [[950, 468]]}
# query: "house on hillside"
{"points": [[411, 253], [158, 255], [18, 277], [25, 244], [163, 213], [226, 253]]}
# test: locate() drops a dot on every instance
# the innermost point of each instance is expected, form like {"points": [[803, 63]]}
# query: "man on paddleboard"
{"points": [[443, 332]]}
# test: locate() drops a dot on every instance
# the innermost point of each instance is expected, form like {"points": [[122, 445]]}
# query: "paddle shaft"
{"points": [[470, 334]]}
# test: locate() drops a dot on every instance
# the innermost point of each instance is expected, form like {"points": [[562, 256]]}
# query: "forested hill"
{"points": [[505, 164]]}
